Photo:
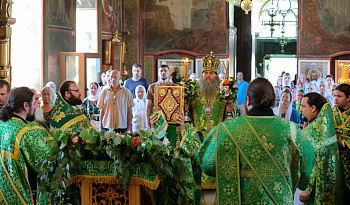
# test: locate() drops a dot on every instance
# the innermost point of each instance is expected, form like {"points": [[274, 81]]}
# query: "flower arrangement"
{"points": [[191, 90], [228, 90], [151, 149]]}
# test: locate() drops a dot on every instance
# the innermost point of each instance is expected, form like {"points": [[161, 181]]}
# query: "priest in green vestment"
{"points": [[257, 158], [208, 111], [341, 114], [22, 145], [187, 141], [325, 185], [66, 114]]}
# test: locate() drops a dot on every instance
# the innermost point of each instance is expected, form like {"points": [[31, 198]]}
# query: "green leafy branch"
{"points": [[149, 149]]}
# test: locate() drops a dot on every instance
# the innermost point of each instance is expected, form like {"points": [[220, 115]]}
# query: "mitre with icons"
{"points": [[211, 63], [170, 100]]}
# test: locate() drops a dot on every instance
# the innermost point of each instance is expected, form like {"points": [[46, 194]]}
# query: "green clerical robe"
{"points": [[326, 185], [342, 129], [64, 116], [22, 146], [207, 113], [256, 159], [187, 143]]}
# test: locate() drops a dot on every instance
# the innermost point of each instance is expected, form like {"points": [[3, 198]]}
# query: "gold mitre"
{"points": [[211, 63]]}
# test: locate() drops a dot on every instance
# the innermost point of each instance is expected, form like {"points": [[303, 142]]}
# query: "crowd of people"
{"points": [[280, 140], [289, 94]]}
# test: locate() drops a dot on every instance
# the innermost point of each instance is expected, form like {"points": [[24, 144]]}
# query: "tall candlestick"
{"points": [[186, 68], [227, 74]]}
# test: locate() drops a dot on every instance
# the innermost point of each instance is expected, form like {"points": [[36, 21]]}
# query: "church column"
{"points": [[5, 37], [232, 40]]}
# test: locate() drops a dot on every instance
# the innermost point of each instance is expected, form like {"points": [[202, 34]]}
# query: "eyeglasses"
{"points": [[75, 90]]}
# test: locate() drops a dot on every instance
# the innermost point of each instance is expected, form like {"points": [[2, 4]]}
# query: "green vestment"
{"points": [[204, 121], [22, 146], [187, 143], [342, 129], [256, 159], [64, 116], [46, 135], [325, 186], [215, 113]]}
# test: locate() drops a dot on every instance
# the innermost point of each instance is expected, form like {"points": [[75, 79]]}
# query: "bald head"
{"points": [[115, 78], [222, 76]]}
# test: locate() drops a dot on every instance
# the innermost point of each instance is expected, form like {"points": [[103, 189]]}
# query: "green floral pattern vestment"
{"points": [[22, 146], [205, 122], [342, 129], [64, 116], [325, 186], [187, 143], [257, 160]]}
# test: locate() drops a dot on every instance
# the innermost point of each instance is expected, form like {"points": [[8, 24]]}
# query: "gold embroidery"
{"points": [[73, 121], [10, 179], [2, 195], [59, 116], [162, 92], [169, 105], [176, 93], [267, 144]]}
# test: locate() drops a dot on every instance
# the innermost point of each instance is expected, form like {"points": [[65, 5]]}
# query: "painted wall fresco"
{"points": [[191, 25], [111, 15], [132, 41], [325, 27], [61, 12]]}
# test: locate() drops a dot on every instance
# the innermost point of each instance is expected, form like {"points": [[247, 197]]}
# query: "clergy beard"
{"points": [[305, 119], [74, 101], [30, 117], [209, 89], [39, 114]]}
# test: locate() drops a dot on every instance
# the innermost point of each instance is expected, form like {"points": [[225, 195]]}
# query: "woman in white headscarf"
{"points": [[310, 87], [89, 106], [139, 111], [52, 85], [330, 82], [285, 108]]}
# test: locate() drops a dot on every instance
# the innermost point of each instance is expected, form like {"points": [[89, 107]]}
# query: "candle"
{"points": [[186, 68], [223, 62], [227, 74]]}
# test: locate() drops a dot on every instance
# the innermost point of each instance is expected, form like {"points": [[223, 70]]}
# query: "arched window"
{"points": [[276, 15]]}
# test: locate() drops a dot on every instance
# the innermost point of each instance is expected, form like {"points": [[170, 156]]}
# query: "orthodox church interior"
{"points": [[58, 40], [47, 40]]}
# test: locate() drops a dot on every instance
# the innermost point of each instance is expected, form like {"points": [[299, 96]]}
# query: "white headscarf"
{"points": [[278, 111], [51, 83], [94, 97], [140, 103], [139, 111]]}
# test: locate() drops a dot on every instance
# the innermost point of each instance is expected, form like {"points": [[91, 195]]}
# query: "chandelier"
{"points": [[247, 5]]}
